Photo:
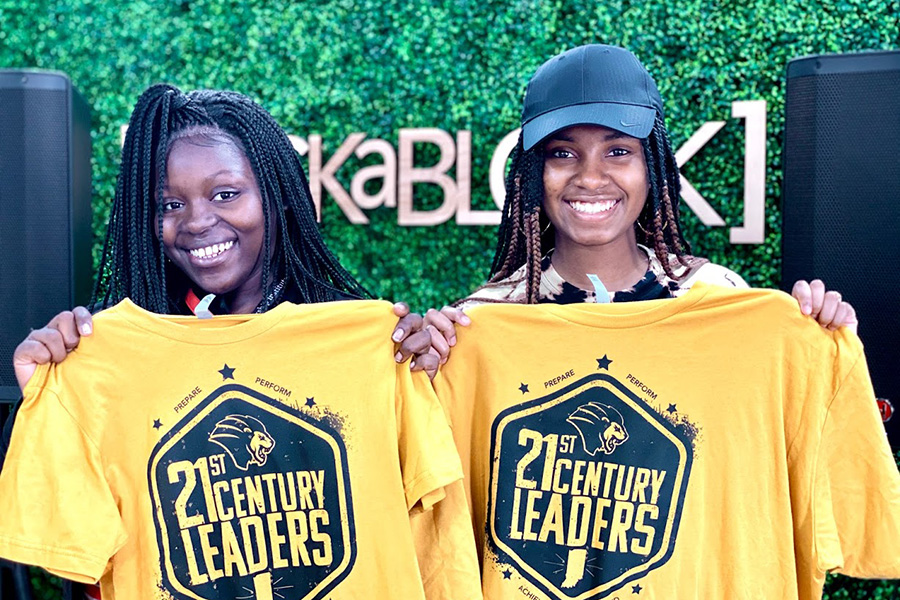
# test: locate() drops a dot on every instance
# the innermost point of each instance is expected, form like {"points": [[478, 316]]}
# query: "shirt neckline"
{"points": [[551, 277], [220, 329], [616, 315]]}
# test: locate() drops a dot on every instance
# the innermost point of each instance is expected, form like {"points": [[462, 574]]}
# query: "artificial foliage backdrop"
{"points": [[337, 67], [334, 68]]}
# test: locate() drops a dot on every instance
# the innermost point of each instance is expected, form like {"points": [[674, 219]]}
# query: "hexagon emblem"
{"points": [[587, 487], [251, 498]]}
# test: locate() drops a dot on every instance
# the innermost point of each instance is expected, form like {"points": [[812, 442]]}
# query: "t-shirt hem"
{"points": [[74, 565], [429, 482], [870, 571]]}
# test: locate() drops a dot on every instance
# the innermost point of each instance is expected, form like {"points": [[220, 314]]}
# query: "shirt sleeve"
{"points": [[428, 458], [57, 510], [432, 475], [445, 547], [857, 491]]}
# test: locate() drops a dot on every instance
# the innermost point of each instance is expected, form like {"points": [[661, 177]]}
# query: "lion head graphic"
{"points": [[245, 439], [601, 427]]}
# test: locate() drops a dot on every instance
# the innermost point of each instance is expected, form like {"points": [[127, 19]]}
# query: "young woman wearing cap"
{"points": [[591, 212], [591, 215]]}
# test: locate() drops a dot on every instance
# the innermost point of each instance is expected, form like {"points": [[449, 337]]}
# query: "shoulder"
{"points": [[691, 269], [708, 272], [508, 290]]}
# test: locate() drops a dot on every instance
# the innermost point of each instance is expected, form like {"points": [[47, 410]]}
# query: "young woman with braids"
{"points": [[591, 210], [211, 198]]}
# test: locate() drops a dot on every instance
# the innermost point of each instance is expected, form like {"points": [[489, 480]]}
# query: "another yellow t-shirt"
{"points": [[717, 445], [245, 456]]}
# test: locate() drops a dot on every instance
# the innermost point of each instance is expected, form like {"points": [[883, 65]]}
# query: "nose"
{"points": [[198, 217], [593, 173]]}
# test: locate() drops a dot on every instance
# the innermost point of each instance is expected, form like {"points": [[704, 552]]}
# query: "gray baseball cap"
{"points": [[590, 85]]}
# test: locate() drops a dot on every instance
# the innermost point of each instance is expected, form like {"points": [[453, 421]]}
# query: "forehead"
{"points": [[204, 156]]}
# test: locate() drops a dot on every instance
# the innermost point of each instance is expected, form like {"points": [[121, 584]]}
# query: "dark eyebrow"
{"points": [[616, 135]]}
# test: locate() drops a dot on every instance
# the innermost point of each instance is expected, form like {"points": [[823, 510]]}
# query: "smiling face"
{"points": [[595, 185], [213, 224]]}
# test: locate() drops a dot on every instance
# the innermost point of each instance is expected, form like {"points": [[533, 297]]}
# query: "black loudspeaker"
{"points": [[842, 197], [45, 206]]}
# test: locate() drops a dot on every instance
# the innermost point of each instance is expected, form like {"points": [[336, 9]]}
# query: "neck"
{"points": [[247, 297], [244, 304], [241, 301], [619, 264]]}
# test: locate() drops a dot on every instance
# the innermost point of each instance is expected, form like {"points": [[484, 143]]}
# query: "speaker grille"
{"points": [[36, 246], [841, 183]]}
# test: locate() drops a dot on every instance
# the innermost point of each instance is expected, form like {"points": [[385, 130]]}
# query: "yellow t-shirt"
{"points": [[258, 456], [717, 445]]}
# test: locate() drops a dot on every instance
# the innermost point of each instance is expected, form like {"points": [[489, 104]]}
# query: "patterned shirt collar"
{"points": [[653, 285], [556, 290]]}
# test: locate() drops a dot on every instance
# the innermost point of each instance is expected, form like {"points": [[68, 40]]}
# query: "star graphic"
{"points": [[227, 372], [523, 388], [507, 574], [603, 363], [157, 423], [310, 402], [672, 408], [636, 589]]}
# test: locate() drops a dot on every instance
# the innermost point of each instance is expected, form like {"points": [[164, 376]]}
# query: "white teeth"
{"points": [[593, 208], [211, 251]]}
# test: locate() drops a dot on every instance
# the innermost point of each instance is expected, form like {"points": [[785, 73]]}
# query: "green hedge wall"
{"points": [[340, 66]]}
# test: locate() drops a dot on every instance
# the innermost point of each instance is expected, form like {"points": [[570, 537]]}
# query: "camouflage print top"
{"points": [[655, 284]]}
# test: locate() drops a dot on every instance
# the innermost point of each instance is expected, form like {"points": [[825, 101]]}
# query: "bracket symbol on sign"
{"points": [[753, 231]]}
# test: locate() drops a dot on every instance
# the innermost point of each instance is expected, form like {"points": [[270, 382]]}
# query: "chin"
{"points": [[214, 287], [594, 240]]}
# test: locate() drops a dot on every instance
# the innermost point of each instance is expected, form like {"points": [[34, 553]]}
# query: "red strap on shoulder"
{"points": [[191, 300]]}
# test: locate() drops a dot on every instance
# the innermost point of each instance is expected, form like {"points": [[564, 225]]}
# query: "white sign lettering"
{"points": [[398, 174]]}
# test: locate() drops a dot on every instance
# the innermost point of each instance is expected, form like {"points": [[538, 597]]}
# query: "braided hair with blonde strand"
{"points": [[526, 235]]}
